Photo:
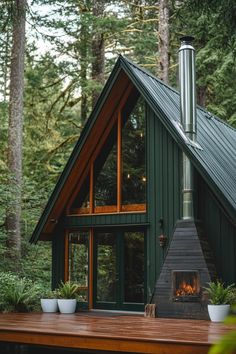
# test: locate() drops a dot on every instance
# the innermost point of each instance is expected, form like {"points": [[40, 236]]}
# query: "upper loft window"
{"points": [[105, 176], [115, 180], [81, 203], [133, 157]]}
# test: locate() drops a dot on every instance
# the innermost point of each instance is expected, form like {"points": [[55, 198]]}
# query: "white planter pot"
{"points": [[218, 313], [67, 305], [49, 305]]}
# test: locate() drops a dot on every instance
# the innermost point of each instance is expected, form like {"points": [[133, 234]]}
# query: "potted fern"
{"points": [[220, 297], [67, 297]]}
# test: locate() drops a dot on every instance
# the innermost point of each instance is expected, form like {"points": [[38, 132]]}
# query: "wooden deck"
{"points": [[117, 333]]}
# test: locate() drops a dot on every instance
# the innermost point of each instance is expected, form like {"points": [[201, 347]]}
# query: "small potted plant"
{"points": [[67, 297], [220, 297], [49, 301]]}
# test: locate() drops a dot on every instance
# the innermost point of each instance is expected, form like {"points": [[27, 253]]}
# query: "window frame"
{"points": [[119, 207]]}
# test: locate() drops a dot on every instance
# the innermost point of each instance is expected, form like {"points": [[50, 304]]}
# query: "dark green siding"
{"points": [[220, 232], [106, 220], [163, 191], [58, 255]]}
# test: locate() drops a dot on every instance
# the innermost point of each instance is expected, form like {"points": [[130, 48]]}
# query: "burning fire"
{"points": [[186, 289]]}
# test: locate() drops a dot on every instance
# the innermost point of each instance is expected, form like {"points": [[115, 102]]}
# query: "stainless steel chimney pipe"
{"points": [[187, 77]]}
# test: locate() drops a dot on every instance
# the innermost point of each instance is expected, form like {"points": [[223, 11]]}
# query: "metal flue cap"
{"points": [[186, 39]]}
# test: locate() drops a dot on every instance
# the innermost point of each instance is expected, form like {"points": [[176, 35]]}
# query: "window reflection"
{"points": [[106, 267], [134, 267], [81, 203], [78, 262], [105, 174], [134, 156]]}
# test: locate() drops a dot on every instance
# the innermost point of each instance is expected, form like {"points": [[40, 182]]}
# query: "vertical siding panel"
{"points": [[163, 186], [228, 246], [221, 233], [109, 220], [176, 184], [58, 256], [164, 181], [151, 200], [158, 205], [170, 179]]}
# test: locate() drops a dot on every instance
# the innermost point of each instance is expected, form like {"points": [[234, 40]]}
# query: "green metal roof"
{"points": [[214, 155]]}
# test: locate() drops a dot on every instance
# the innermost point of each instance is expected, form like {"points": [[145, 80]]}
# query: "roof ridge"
{"points": [[220, 120], [122, 57]]}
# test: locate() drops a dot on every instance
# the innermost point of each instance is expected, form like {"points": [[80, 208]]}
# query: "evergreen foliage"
{"points": [[59, 86], [17, 294]]}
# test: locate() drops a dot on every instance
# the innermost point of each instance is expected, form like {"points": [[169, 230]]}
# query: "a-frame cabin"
{"points": [[121, 190]]}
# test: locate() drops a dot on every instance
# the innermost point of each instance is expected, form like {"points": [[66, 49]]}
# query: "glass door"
{"points": [[119, 270], [78, 264], [134, 270], [105, 270]]}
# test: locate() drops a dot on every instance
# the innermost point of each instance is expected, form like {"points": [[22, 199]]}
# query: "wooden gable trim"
{"points": [[117, 96]]}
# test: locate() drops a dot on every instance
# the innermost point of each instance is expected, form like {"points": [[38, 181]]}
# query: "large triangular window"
{"points": [[115, 180], [81, 204]]}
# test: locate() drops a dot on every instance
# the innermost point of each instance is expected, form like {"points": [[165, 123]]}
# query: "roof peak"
{"points": [[125, 60]]}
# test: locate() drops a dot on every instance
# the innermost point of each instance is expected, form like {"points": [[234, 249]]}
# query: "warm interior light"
{"points": [[144, 179], [128, 175], [186, 285], [186, 289]]}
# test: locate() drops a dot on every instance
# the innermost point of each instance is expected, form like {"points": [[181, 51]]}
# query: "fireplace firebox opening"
{"points": [[186, 286]]}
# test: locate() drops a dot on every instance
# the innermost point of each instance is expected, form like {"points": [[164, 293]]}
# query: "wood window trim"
{"points": [[110, 209], [119, 208], [105, 209], [133, 207]]}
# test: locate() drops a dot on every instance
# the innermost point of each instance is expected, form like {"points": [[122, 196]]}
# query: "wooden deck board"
{"points": [[121, 333]]}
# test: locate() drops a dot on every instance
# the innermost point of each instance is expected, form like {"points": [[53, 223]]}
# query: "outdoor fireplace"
{"points": [[188, 267], [186, 285]]}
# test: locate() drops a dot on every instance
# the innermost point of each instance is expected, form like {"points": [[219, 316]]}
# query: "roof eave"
{"points": [[39, 229]]}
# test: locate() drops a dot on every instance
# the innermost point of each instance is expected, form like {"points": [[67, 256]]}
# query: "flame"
{"points": [[186, 289]]}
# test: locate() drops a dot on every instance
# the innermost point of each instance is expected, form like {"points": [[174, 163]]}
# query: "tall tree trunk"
{"points": [[6, 66], [13, 216], [163, 40], [98, 52], [201, 96], [83, 69]]}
